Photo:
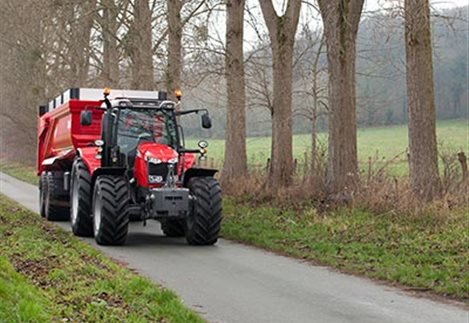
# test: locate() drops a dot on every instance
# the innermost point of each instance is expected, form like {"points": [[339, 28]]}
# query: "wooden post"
{"points": [[463, 161], [267, 166]]}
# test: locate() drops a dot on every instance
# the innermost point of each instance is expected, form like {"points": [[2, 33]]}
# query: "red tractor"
{"points": [[104, 161]]}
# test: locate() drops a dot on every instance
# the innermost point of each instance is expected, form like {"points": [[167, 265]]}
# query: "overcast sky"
{"points": [[308, 16]]}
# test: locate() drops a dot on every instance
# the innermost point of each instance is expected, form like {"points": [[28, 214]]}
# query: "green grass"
{"points": [[382, 142], [20, 300], [48, 275], [429, 252], [24, 173]]}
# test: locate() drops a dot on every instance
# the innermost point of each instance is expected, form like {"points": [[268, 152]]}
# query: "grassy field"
{"points": [[47, 275], [382, 143], [423, 253]]}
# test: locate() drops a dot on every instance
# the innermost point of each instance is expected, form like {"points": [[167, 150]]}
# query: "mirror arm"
{"points": [[180, 113]]}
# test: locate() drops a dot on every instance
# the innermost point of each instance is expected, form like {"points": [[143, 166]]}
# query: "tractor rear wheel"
{"points": [[204, 221], [173, 228], [54, 203], [110, 216], [80, 200]]}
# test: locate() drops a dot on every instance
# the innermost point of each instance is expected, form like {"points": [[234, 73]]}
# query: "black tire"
{"points": [[204, 221], [80, 200], [173, 228], [42, 194], [54, 209], [110, 217]]}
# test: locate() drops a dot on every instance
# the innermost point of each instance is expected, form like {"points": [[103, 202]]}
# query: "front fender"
{"points": [[198, 172], [88, 155]]}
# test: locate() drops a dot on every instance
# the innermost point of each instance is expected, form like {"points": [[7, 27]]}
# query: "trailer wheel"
{"points": [[204, 221], [80, 200], [42, 193], [173, 228], [54, 209], [110, 217]]}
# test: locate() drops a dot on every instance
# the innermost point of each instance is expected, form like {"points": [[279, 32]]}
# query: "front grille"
{"points": [[158, 173]]}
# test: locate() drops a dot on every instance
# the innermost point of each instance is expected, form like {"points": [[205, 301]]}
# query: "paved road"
{"points": [[234, 283]]}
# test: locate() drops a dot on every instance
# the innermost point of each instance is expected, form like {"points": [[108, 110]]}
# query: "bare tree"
{"points": [[235, 164], [424, 177], [141, 49], [82, 17], [175, 26], [341, 19], [110, 26], [282, 30]]}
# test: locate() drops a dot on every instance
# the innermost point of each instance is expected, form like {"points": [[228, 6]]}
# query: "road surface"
{"points": [[231, 282]]}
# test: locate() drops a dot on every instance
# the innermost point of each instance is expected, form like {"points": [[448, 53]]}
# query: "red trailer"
{"points": [[105, 159]]}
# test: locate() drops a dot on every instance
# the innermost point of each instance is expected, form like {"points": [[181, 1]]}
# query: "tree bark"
{"points": [[110, 72], [341, 19], [282, 30], [423, 159], [141, 52], [79, 42], [235, 164], [175, 27]]}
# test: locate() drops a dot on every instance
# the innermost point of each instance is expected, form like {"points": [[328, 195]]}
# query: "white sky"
{"points": [[309, 15]]}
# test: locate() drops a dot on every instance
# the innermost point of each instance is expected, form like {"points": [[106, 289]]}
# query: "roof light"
{"points": [[178, 94]]}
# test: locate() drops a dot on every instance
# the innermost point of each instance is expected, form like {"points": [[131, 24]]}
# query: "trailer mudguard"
{"points": [[198, 172], [62, 162]]}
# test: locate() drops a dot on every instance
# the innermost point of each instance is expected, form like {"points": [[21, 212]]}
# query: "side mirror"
{"points": [[202, 144], [206, 121], [86, 118]]}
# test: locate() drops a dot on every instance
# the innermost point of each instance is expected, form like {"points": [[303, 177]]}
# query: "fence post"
{"points": [[267, 166], [463, 161]]}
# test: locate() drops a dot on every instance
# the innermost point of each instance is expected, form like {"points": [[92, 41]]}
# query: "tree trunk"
{"points": [[173, 71], [314, 138], [282, 30], [316, 102], [79, 42], [424, 178], [141, 52], [341, 19], [110, 72], [235, 164]]}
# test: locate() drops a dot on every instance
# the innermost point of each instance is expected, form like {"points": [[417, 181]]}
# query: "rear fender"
{"points": [[198, 172]]}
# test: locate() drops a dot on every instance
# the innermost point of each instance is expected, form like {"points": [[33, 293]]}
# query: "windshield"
{"points": [[145, 125]]}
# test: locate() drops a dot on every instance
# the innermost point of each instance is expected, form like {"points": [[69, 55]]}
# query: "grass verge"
{"points": [[48, 275], [425, 253], [24, 173]]}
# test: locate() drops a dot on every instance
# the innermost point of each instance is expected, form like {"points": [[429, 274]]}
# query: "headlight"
{"points": [[153, 160], [173, 160]]}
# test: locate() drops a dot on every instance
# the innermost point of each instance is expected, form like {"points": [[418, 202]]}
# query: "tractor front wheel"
{"points": [[110, 216], [204, 221]]}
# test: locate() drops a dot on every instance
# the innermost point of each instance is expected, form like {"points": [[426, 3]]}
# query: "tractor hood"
{"points": [[156, 152]]}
